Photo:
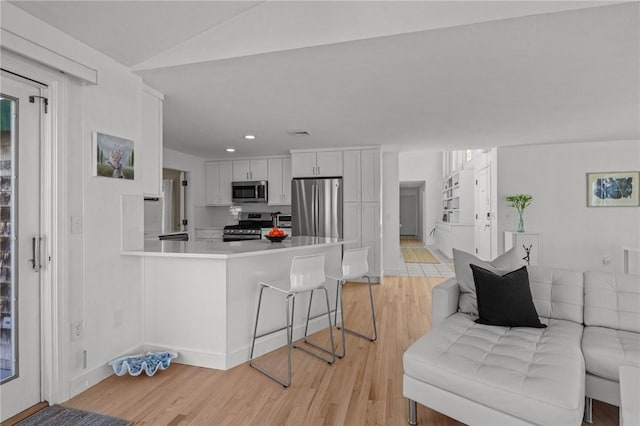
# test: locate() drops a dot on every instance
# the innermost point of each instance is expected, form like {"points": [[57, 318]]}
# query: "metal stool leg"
{"points": [[255, 327], [339, 293], [374, 337], [335, 313], [332, 352], [309, 317], [288, 327], [335, 319], [306, 324]]}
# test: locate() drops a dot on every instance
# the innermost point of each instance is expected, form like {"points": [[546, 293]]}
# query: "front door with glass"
{"points": [[20, 381]]}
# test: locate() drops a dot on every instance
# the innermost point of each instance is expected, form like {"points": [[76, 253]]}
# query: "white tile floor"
{"points": [[442, 269]]}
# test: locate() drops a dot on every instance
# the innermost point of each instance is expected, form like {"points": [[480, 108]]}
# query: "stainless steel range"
{"points": [[248, 227]]}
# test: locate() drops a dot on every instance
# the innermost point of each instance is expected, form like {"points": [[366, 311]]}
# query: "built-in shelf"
{"points": [[455, 227], [457, 198]]}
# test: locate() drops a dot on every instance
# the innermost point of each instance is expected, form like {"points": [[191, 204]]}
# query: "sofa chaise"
{"points": [[611, 335], [491, 375]]}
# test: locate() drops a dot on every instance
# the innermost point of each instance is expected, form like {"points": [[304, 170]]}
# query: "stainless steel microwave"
{"points": [[249, 192]]}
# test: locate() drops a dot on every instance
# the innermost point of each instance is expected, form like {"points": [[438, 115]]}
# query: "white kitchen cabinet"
{"points": [[361, 223], [248, 170], [279, 181], [286, 181], [329, 163], [370, 175], [352, 177], [303, 164], [218, 176], [150, 162], [361, 179], [317, 164], [352, 224], [450, 236], [361, 209], [371, 236]]}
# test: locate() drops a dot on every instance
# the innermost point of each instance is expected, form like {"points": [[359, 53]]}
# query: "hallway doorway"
{"points": [[412, 210]]}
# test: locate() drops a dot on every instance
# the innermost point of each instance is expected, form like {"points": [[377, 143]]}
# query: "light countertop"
{"points": [[233, 249]]}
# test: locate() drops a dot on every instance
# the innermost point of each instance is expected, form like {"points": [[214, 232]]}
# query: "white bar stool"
{"points": [[306, 275], [354, 266]]}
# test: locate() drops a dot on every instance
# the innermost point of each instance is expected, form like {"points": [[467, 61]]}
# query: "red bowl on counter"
{"points": [[276, 238]]}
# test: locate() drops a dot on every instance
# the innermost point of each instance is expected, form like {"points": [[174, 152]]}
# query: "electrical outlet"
{"points": [[606, 259], [77, 330]]}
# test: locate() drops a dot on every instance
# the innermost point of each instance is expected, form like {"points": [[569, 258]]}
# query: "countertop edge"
{"points": [[143, 253]]}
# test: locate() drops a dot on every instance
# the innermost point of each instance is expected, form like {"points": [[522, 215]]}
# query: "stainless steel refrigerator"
{"points": [[316, 207]]}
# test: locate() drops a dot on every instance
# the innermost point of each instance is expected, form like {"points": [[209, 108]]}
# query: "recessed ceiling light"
{"points": [[230, 150], [249, 137]]}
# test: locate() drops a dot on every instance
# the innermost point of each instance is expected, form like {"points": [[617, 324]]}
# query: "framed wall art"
{"points": [[112, 156], [613, 189]]}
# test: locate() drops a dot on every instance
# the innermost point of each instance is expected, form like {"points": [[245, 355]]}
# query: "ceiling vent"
{"points": [[298, 133]]}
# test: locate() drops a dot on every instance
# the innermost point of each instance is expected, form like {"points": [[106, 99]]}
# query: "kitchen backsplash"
{"points": [[205, 216]]}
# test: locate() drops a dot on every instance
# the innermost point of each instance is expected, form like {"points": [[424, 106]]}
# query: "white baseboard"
{"points": [[95, 375], [220, 361], [190, 356], [274, 341]]}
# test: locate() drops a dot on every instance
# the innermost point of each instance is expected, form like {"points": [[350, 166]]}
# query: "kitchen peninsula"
{"points": [[200, 298]]}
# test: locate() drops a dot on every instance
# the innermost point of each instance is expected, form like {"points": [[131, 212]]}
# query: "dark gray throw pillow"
{"points": [[507, 261], [505, 300]]}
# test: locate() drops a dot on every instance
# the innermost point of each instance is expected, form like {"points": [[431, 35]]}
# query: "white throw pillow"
{"points": [[461, 261]]}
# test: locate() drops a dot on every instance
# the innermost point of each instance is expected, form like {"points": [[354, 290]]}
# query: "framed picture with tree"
{"points": [[113, 157]]}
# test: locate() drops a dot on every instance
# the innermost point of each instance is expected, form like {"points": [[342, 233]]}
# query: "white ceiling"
{"points": [[411, 75]]}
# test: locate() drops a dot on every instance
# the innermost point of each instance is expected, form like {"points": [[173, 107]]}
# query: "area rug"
{"points": [[57, 415], [418, 255]]}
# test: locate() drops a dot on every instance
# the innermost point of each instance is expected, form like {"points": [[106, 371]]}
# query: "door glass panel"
{"points": [[8, 297]]}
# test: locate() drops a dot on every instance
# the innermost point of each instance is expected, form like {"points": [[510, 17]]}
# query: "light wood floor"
{"points": [[365, 388]]}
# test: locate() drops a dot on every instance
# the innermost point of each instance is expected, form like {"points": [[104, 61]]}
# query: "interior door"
{"points": [[408, 214], [19, 246], [482, 200]]}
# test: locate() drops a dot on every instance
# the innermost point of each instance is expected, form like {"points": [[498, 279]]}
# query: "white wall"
{"points": [[391, 255], [97, 284], [425, 166], [573, 235]]}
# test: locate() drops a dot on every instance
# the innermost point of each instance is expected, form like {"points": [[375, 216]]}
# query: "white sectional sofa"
{"points": [[490, 375], [612, 333]]}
